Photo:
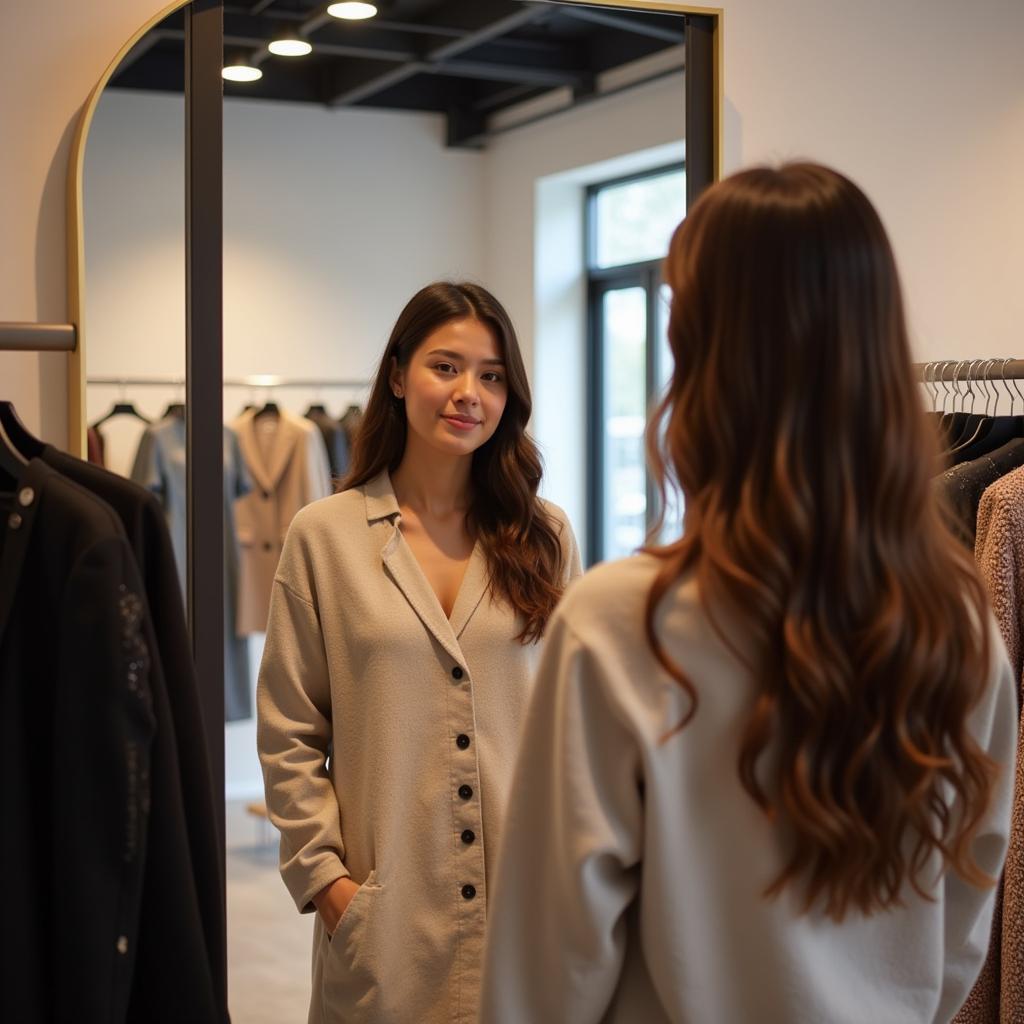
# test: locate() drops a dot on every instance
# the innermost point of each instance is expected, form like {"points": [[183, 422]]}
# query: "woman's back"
{"points": [[647, 860]]}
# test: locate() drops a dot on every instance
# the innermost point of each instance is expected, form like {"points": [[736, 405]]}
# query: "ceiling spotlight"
{"points": [[240, 69], [289, 46], [351, 11]]}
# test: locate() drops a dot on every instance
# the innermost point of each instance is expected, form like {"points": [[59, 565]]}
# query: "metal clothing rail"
{"points": [[959, 371], [29, 337], [256, 381], [270, 381]]}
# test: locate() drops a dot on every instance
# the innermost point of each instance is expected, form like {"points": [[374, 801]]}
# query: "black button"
{"points": [[465, 792], [267, 545], [468, 836], [462, 741], [457, 673], [468, 892]]}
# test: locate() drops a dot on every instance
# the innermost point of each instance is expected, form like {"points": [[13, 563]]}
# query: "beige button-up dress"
{"points": [[387, 734]]}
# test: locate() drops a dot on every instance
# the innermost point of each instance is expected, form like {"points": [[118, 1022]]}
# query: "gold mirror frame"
{"points": [[76, 166], [76, 236]]}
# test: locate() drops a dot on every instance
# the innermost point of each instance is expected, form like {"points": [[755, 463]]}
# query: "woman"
{"points": [[403, 634], [765, 772]]}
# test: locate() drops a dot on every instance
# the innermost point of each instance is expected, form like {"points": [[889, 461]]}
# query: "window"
{"points": [[629, 224]]}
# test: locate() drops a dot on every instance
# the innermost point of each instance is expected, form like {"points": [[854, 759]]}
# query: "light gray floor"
{"points": [[268, 940]]}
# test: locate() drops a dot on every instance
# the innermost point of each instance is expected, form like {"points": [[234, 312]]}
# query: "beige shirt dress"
{"points": [[387, 734]]}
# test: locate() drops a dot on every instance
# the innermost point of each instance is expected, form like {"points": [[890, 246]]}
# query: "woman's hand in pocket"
{"points": [[332, 901]]}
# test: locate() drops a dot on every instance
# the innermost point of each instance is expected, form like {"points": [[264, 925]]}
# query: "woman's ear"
{"points": [[396, 379]]}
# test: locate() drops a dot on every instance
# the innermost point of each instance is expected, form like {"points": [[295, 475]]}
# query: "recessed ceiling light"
{"points": [[289, 47], [351, 11], [241, 72]]}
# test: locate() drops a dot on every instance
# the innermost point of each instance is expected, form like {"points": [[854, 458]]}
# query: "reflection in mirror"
{"points": [[535, 148]]}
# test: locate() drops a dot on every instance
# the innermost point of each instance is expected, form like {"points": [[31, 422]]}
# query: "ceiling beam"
{"points": [[641, 26], [376, 84], [506, 73], [503, 98], [259, 7], [483, 22], [258, 44], [412, 27]]}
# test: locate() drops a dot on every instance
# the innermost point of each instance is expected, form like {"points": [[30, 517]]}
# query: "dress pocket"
{"points": [[352, 956], [364, 893]]}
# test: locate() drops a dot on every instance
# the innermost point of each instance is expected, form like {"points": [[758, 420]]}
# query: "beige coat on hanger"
{"points": [[422, 713], [286, 457]]}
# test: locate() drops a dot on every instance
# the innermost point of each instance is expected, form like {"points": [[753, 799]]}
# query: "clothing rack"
{"points": [[29, 337], [957, 371], [255, 381]]}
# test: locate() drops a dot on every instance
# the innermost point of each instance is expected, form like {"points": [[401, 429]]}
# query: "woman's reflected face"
{"points": [[454, 387]]}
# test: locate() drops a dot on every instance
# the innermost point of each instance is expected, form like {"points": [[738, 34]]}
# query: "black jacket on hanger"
{"points": [[180, 969], [964, 484], [77, 730]]}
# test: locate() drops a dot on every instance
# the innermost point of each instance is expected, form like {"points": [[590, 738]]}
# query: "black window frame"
{"points": [[646, 274]]}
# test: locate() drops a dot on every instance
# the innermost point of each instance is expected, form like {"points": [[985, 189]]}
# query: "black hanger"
{"points": [[318, 408], [994, 431], [270, 409], [121, 409], [12, 462], [18, 434], [175, 409], [1000, 429]]}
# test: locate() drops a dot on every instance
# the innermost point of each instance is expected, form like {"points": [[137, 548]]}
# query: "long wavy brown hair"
{"points": [[794, 428], [519, 538]]}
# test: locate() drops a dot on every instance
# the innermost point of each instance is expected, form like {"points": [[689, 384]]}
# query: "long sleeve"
{"points": [[294, 733], [572, 848], [968, 909]]}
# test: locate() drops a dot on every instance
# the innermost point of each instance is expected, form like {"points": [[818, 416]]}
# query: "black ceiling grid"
{"points": [[465, 59]]}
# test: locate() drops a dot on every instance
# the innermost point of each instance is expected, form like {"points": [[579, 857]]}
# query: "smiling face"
{"points": [[454, 387]]}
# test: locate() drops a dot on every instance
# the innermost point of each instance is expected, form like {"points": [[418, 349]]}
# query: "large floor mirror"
{"points": [[545, 150]]}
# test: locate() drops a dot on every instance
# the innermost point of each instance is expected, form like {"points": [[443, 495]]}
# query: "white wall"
{"points": [[922, 103], [332, 220], [52, 52]]}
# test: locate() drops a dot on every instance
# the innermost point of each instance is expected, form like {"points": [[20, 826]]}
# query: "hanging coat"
{"points": [[287, 461], [161, 467], [422, 713], [76, 740], [183, 882]]}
